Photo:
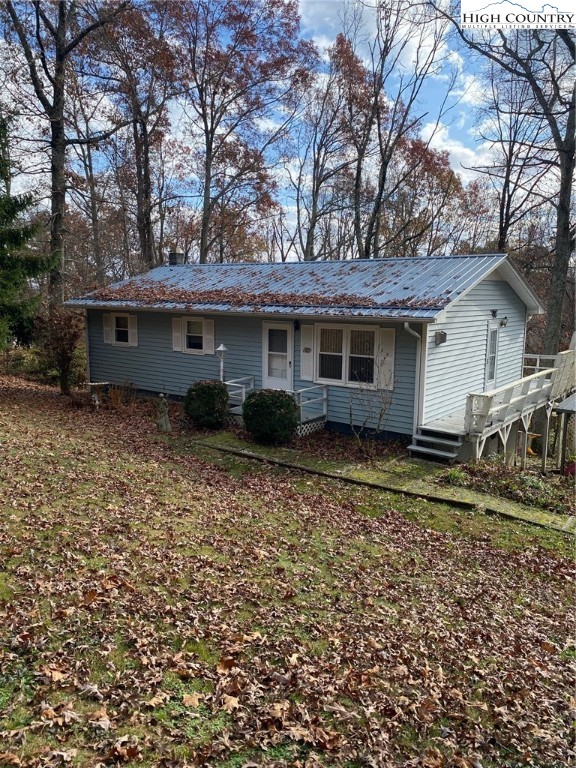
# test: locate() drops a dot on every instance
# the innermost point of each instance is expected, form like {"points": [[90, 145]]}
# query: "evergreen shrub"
{"points": [[206, 404], [270, 416]]}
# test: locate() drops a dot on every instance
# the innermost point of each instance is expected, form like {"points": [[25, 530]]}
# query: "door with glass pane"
{"points": [[278, 344], [491, 357]]}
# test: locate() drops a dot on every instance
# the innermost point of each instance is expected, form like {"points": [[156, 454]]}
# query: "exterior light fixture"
{"points": [[220, 352], [504, 322], [494, 312], [440, 338]]}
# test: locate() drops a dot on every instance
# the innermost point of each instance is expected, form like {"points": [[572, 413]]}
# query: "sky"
{"points": [[458, 130]]}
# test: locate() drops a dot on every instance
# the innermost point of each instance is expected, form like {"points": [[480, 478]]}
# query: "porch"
{"points": [[312, 403], [499, 413]]}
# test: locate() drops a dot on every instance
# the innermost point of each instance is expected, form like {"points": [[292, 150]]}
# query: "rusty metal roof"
{"points": [[398, 288]]}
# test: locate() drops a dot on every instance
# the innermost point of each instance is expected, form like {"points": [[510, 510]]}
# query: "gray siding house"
{"points": [[395, 345]]}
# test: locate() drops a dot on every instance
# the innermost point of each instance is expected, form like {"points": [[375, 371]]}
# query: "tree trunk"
{"points": [[563, 252], [206, 205], [58, 202], [143, 193]]}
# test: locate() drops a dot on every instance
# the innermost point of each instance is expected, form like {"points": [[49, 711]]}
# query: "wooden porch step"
{"points": [[435, 444], [418, 449], [436, 440]]}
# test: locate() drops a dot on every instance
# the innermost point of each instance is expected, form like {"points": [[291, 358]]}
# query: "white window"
{"points": [[120, 329], [361, 356], [491, 356], [193, 335]]}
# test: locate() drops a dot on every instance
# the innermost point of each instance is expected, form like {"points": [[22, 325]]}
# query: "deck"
{"points": [[499, 412], [312, 403]]}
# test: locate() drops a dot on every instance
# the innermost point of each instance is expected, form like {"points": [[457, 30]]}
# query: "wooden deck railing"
{"points": [[507, 404], [312, 402], [536, 363], [238, 389], [519, 399]]}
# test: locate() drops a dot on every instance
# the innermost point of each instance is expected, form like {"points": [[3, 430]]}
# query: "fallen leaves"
{"points": [[174, 614]]}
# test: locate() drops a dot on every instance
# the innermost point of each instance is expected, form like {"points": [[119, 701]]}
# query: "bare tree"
{"points": [[244, 67], [49, 33], [544, 60], [520, 158], [136, 65]]}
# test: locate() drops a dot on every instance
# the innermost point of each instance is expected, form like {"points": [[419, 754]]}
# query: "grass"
{"points": [[164, 603], [554, 493]]}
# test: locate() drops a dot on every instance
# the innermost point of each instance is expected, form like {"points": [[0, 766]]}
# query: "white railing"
{"points": [[564, 362], [312, 402], [507, 404], [238, 389], [565, 380], [536, 363]]}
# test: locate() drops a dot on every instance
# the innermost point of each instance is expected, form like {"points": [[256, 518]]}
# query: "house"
{"points": [[394, 345]]}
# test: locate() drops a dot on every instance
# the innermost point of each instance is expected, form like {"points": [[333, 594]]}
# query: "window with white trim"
{"points": [[193, 335], [354, 355], [120, 329]]}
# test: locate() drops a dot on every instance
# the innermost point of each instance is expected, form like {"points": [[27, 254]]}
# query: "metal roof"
{"points": [[397, 288]]}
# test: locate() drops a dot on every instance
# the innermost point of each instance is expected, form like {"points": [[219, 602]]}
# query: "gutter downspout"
{"points": [[418, 383], [411, 331]]}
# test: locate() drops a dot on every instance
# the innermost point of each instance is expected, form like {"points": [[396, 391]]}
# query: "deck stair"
{"points": [[435, 445]]}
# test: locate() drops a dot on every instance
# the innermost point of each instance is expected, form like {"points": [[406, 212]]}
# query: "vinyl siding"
{"points": [[367, 405], [153, 366], [458, 366]]}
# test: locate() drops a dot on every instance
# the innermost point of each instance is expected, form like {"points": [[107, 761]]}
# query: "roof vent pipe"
{"points": [[175, 258], [411, 332]]}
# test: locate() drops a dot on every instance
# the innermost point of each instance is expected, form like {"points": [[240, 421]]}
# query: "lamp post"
{"points": [[220, 352]]}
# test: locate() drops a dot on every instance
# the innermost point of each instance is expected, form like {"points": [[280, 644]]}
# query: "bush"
{"points": [[206, 404], [270, 416], [59, 350]]}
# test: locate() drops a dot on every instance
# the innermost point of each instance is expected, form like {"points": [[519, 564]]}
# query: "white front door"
{"points": [[277, 352]]}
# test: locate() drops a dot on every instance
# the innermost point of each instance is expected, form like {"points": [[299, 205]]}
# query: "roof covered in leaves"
{"points": [[398, 288]]}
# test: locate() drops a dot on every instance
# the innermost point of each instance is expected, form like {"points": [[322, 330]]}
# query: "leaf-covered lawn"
{"points": [[160, 609], [554, 493]]}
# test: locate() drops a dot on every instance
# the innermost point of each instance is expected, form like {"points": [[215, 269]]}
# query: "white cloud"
{"points": [[462, 157], [469, 89]]}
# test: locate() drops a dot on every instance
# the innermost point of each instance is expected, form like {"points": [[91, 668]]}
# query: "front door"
{"points": [[277, 350]]}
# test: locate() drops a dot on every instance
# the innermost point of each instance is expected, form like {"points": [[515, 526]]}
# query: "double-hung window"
{"points": [[193, 335], [120, 329], [352, 355]]}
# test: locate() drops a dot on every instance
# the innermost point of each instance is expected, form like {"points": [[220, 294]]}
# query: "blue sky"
{"points": [[321, 20]]}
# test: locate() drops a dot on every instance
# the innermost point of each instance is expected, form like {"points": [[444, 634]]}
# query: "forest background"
{"points": [[225, 131]]}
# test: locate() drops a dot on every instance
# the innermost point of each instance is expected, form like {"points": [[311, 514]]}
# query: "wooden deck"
{"points": [[499, 412], [453, 424]]}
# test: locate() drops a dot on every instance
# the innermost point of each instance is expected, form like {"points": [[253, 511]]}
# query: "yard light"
{"points": [[220, 352]]}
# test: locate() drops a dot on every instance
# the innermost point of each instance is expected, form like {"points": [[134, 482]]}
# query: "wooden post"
{"points": [[565, 417], [546, 435]]}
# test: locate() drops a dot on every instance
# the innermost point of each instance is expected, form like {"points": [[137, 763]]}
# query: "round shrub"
{"points": [[270, 416], [206, 404]]}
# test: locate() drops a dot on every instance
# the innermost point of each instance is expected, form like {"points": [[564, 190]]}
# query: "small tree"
{"points": [[17, 263], [368, 408], [57, 335]]}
